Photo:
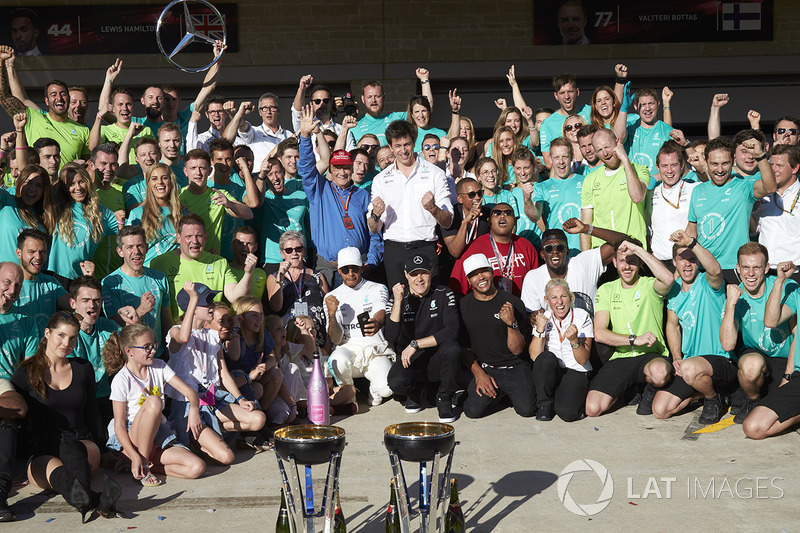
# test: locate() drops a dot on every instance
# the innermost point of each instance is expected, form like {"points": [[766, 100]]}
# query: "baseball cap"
{"points": [[475, 262], [349, 256], [418, 262], [554, 233], [205, 296], [341, 158]]}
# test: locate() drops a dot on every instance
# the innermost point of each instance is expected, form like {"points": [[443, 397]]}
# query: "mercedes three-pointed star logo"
{"points": [[193, 34]]}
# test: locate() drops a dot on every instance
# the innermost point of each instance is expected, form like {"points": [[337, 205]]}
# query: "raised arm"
{"points": [[10, 103], [637, 189], [236, 123], [706, 258], [729, 331], [334, 329], [516, 94], [714, 122], [210, 81], [455, 120], [95, 135], [253, 198], [767, 184], [17, 88], [108, 85], [300, 96], [664, 278], [21, 142], [424, 78], [776, 312], [666, 98]]}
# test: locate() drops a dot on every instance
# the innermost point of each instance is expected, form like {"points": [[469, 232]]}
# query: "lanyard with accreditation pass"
{"points": [[348, 222]]}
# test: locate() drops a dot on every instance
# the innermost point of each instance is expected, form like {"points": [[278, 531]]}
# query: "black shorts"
{"points": [[776, 368], [785, 401], [723, 374], [618, 375]]}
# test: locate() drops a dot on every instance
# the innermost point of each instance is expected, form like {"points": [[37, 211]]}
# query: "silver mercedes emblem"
{"points": [[417, 259], [206, 28]]}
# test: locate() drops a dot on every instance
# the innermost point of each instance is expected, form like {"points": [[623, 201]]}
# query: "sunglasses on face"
{"points": [[369, 147], [350, 268], [570, 127], [430, 146], [550, 248], [290, 251], [321, 100], [472, 194], [151, 347], [502, 212], [792, 131]]}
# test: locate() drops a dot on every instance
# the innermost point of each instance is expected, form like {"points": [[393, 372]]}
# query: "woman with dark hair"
{"points": [[419, 116], [65, 421], [31, 206], [605, 107]]}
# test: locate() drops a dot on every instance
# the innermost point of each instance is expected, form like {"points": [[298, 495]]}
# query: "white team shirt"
{"points": [[582, 274], [196, 362], [261, 141], [366, 296], [779, 230], [562, 348], [133, 391], [663, 219], [405, 220]]}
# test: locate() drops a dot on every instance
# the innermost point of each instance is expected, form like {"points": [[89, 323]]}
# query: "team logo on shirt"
{"points": [[688, 320], [771, 339], [712, 225], [568, 211], [433, 305], [82, 233]]}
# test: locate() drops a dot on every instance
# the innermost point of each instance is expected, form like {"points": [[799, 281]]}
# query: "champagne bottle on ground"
{"points": [[454, 519], [339, 525], [282, 525], [392, 512], [319, 410]]}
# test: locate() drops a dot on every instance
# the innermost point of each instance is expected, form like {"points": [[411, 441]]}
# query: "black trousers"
{"points": [[515, 382], [565, 387], [396, 253], [431, 366], [8, 449]]}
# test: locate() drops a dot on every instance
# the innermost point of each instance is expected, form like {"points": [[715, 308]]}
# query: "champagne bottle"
{"points": [[282, 525], [454, 519], [319, 410], [392, 512], [339, 525]]}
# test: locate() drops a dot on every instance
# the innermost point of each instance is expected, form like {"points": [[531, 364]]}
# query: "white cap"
{"points": [[475, 262], [349, 257]]}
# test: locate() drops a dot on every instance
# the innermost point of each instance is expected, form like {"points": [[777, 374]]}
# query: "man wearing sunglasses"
{"points": [[322, 106], [356, 314], [470, 218], [510, 255], [786, 130]]}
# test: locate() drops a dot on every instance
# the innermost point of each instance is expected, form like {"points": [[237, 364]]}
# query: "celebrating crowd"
{"points": [[163, 290]]}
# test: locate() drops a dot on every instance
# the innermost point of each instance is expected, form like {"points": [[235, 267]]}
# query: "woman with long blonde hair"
{"points": [[31, 206], [504, 144], [81, 222], [160, 212]]}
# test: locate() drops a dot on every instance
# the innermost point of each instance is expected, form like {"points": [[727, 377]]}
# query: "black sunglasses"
{"points": [[781, 131], [321, 100], [298, 249], [570, 127], [473, 194], [501, 212], [550, 248], [350, 268]]}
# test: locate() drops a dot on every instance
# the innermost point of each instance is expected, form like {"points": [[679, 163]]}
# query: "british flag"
{"points": [[209, 25]]}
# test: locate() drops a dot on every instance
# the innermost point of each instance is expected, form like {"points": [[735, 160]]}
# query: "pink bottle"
{"points": [[319, 410]]}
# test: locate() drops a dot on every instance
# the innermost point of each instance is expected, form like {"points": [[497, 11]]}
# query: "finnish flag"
{"points": [[741, 16]]}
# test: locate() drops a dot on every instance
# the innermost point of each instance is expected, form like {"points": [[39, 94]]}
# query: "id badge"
{"points": [[207, 396], [504, 284], [299, 309], [348, 223]]}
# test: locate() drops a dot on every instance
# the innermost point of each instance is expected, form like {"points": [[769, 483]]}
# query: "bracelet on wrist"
{"points": [[590, 230], [423, 82], [761, 157], [621, 81], [666, 108], [239, 398]]}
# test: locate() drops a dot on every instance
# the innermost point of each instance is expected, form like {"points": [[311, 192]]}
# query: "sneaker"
{"points": [[444, 403], [737, 400], [744, 410], [254, 441], [636, 400], [459, 397], [373, 397], [646, 404], [5, 512], [712, 410], [412, 406], [545, 413]]}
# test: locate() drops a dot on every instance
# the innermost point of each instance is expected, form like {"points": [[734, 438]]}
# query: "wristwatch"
{"points": [[414, 344], [373, 216], [787, 377], [515, 325], [631, 339], [575, 345]]}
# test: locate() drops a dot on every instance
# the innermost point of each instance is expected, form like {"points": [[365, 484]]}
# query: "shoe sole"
{"points": [[412, 411], [447, 420]]}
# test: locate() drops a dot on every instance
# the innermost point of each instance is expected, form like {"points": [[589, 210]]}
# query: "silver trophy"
{"points": [[195, 30]]}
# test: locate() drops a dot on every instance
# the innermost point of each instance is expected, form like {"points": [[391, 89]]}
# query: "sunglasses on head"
{"points": [[792, 131], [550, 248], [473, 194], [321, 100], [570, 127], [350, 268], [502, 212], [290, 250], [430, 146]]}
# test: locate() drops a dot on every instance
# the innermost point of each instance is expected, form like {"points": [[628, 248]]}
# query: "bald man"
{"points": [[18, 336]]}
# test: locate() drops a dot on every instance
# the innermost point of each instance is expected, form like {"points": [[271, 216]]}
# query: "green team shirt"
{"points": [[213, 214], [116, 134], [281, 212], [230, 224], [722, 215], [749, 315], [259, 281], [636, 311], [120, 290], [561, 200], [38, 299], [65, 259], [699, 312], [613, 208], [18, 340], [72, 138], [90, 348], [208, 269], [164, 241]]}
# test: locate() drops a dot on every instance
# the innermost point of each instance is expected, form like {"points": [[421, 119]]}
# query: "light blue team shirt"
{"points": [[421, 133], [643, 144], [165, 240], [11, 224], [561, 200], [503, 196], [90, 348], [552, 127], [525, 227], [282, 212], [722, 215], [38, 299], [18, 340], [749, 314], [699, 311], [135, 189], [64, 258], [376, 126], [752, 178], [237, 189]]}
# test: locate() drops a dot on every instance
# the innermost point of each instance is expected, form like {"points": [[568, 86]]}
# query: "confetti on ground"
{"points": [[49, 519], [161, 517], [633, 503], [210, 510], [597, 429]]}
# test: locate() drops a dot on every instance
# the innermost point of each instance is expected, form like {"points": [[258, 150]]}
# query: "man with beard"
{"points": [[375, 121], [41, 294], [25, 32], [778, 225], [18, 335], [244, 244], [72, 138], [49, 156], [629, 317], [703, 368], [121, 105], [590, 158], [512, 256], [470, 218], [136, 294], [192, 262], [786, 130], [423, 329], [719, 211], [499, 332], [102, 166], [613, 195], [764, 361], [667, 205], [566, 92]]}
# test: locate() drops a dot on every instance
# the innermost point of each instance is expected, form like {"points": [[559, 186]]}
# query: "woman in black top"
{"points": [[60, 393]]}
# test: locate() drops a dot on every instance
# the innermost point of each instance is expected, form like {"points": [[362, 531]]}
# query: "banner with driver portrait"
{"points": [[654, 21], [110, 29]]}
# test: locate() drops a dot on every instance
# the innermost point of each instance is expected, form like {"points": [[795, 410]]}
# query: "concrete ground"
{"points": [[665, 478]]}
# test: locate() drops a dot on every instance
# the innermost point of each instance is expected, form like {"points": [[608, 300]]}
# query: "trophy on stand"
{"points": [[200, 22]]}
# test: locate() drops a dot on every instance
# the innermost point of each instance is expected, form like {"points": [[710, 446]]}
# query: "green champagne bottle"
{"points": [[282, 525], [454, 519], [339, 525], [392, 512]]}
